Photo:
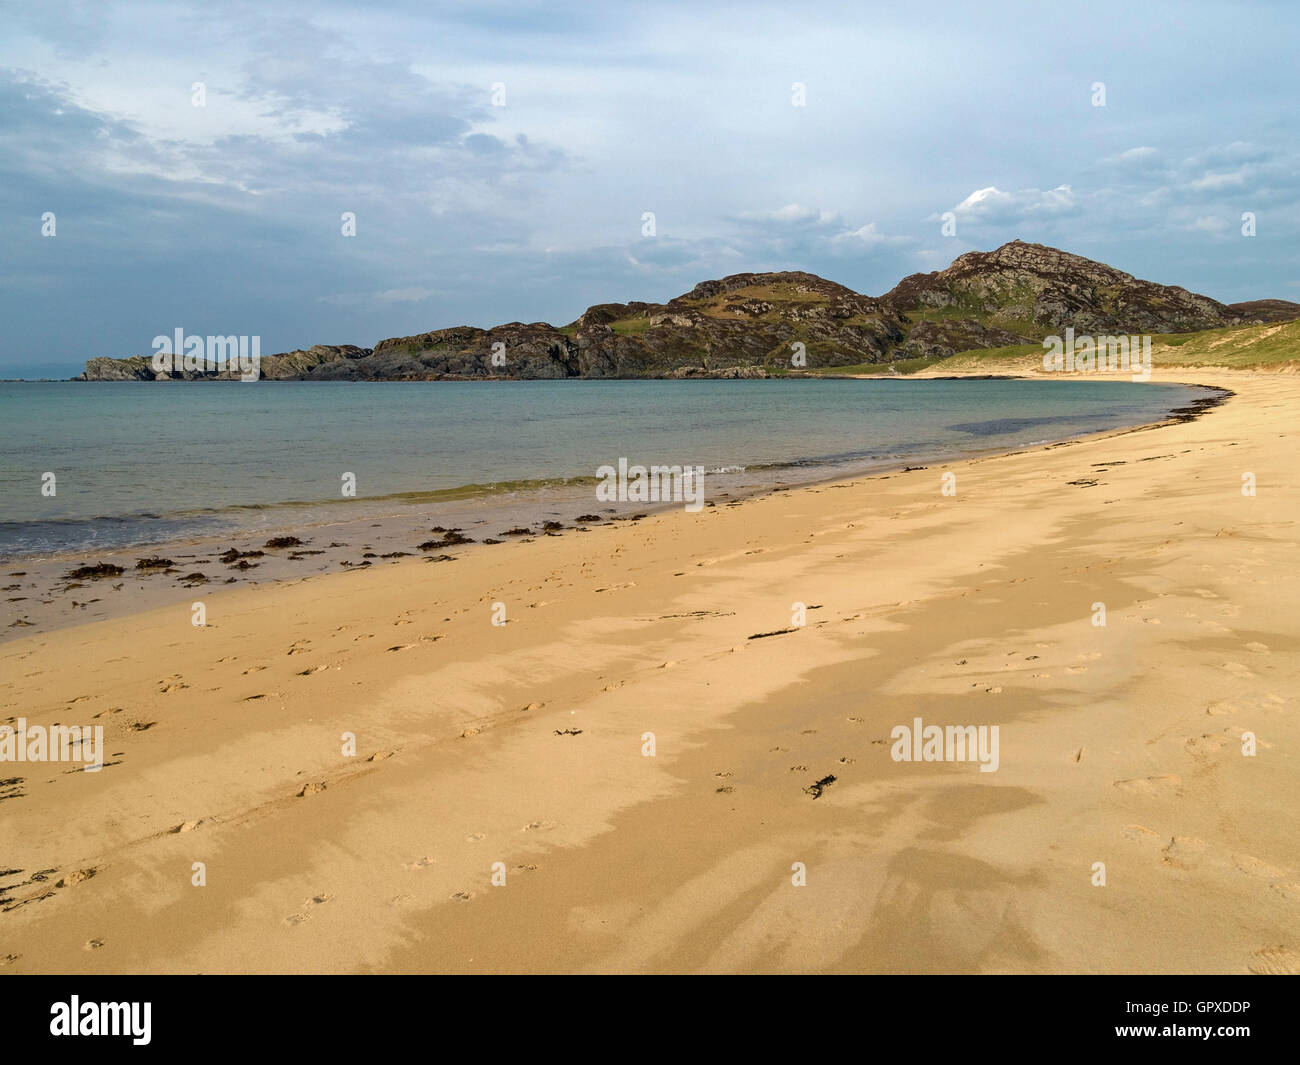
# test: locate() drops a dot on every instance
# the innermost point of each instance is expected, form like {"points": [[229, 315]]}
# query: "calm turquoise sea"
{"points": [[138, 462]]}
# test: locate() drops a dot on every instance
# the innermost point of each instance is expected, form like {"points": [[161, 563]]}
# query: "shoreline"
{"points": [[523, 744], [40, 579]]}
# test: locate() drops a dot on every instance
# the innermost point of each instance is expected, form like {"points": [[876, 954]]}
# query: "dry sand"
{"points": [[523, 744]]}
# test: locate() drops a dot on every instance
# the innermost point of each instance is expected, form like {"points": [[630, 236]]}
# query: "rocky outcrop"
{"points": [[294, 365], [754, 324], [1033, 290], [743, 325], [287, 366], [938, 340], [128, 368], [536, 351]]}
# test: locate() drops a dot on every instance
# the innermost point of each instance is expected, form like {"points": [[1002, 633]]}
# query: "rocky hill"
{"points": [[1260, 311], [1031, 291], [747, 324]]}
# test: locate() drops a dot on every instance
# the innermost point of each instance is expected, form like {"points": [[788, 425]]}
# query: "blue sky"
{"points": [[226, 218]]}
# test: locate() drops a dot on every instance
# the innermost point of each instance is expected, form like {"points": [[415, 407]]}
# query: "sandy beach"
{"points": [[621, 777]]}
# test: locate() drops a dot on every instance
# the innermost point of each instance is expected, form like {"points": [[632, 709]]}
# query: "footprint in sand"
{"points": [[299, 648], [420, 863], [1288, 891], [305, 913], [1076, 669], [171, 684], [463, 896], [1258, 648], [93, 944], [1219, 709], [1158, 785], [474, 837], [253, 669], [75, 877], [538, 826], [1275, 961]]}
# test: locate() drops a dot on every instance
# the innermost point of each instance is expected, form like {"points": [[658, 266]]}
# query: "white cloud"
{"points": [[867, 235], [1212, 182], [991, 204]]}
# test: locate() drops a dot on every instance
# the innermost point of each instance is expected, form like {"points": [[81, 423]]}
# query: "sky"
{"points": [[170, 165]]}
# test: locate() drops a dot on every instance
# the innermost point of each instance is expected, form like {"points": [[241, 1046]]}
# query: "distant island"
{"points": [[755, 324]]}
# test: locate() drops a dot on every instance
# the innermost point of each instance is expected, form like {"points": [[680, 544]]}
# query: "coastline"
{"points": [[522, 744], [361, 535]]}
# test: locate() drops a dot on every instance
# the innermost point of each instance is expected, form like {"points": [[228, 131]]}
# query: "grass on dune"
{"points": [[1272, 346], [898, 366], [1264, 347]]}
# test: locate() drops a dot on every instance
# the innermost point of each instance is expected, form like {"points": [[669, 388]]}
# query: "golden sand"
{"points": [[519, 753]]}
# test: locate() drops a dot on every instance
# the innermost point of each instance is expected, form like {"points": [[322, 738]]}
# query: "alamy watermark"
{"points": [[655, 484], [950, 743], [55, 743], [74, 1017], [214, 354], [1102, 354]]}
